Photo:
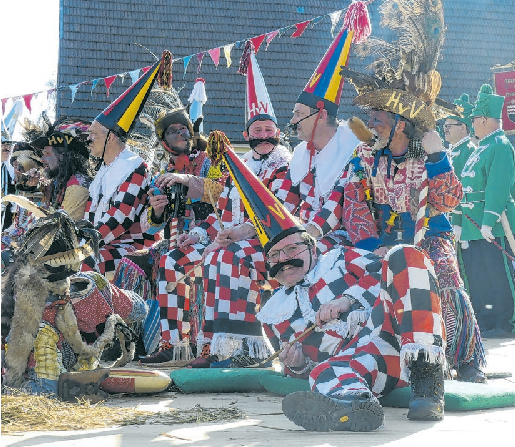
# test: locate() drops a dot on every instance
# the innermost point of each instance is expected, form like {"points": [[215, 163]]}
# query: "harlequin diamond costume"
{"points": [[391, 332], [488, 178], [139, 271], [71, 179], [400, 191], [226, 326], [118, 193], [48, 309], [313, 186]]}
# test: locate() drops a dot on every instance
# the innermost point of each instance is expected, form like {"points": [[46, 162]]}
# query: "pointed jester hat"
{"points": [[257, 101], [271, 219], [120, 117]]}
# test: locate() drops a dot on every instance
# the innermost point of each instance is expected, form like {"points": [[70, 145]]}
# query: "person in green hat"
{"points": [[457, 131], [488, 216]]}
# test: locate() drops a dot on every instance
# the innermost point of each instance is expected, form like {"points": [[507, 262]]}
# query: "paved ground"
{"points": [[265, 424]]}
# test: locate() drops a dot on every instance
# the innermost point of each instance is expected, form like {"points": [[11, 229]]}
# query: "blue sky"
{"points": [[30, 41]]}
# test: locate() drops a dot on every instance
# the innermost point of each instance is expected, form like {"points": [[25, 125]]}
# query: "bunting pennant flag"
{"points": [[257, 41], [4, 100], [108, 82], [335, 18], [27, 99], [227, 54], [299, 28], [49, 92], [270, 37], [94, 83], [134, 74], [200, 56], [186, 62], [74, 89], [215, 55]]}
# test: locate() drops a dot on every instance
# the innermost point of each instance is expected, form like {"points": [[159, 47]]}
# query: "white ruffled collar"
{"points": [[329, 163]]}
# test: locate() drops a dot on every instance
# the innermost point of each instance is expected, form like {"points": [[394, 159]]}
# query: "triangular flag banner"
{"points": [[227, 54], [316, 20], [238, 44], [145, 69], [108, 82], [335, 18], [270, 37], [49, 92], [4, 100], [186, 61], [122, 76], [74, 89], [300, 27], [200, 56], [94, 83], [215, 55], [257, 41], [134, 74], [283, 30]]}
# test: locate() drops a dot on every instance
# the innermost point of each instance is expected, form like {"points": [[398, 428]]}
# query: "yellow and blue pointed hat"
{"points": [[271, 219], [326, 83], [122, 113]]}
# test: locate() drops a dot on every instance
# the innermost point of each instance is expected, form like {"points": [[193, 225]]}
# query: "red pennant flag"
{"points": [[145, 69], [4, 100], [108, 81], [28, 99], [200, 56], [257, 41], [300, 28], [215, 55]]}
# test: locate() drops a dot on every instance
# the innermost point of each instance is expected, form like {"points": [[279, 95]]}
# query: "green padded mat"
{"points": [[459, 396]]}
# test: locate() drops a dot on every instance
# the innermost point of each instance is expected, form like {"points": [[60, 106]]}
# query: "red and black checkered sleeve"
{"points": [[225, 210], [126, 205], [289, 194], [329, 217]]}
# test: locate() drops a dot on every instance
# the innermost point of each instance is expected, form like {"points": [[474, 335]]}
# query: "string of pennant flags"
{"points": [[214, 53]]}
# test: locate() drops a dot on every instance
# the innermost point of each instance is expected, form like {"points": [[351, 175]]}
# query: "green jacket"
{"points": [[488, 178], [459, 155]]}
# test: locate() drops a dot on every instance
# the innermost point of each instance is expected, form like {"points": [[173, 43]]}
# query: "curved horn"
{"points": [[23, 202]]}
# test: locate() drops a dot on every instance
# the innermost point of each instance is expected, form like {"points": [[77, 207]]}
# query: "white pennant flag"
{"points": [[335, 18]]}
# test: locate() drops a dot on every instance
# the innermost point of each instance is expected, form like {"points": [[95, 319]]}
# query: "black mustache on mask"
{"points": [[293, 262], [254, 142]]}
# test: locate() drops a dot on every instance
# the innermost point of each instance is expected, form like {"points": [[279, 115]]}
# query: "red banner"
{"points": [[505, 86]]}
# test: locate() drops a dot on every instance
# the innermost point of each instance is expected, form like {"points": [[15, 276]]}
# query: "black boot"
{"points": [[317, 412], [427, 388]]}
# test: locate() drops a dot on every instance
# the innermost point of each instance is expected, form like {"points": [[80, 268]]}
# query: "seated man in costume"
{"points": [[230, 235], [118, 193], [56, 320], [375, 324], [65, 158], [403, 185]]}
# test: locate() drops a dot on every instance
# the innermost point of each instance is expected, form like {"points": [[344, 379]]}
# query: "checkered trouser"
{"points": [[110, 257], [406, 319], [175, 306]]}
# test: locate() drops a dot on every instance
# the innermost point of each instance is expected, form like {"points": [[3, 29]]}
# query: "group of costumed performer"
{"points": [[484, 221], [182, 266], [376, 323], [55, 320], [403, 184]]}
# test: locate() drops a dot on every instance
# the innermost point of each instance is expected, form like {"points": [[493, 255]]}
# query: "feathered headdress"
{"points": [[405, 80]]}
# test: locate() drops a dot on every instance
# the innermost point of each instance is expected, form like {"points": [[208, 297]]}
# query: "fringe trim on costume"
{"points": [[410, 352], [201, 341], [463, 336], [130, 276], [31, 292], [89, 355], [228, 345]]}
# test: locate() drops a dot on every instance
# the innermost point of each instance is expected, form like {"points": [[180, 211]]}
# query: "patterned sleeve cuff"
{"points": [[202, 234]]}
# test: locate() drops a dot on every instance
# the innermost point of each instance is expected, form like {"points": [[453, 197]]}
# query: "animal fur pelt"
{"points": [[361, 131], [31, 293]]}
